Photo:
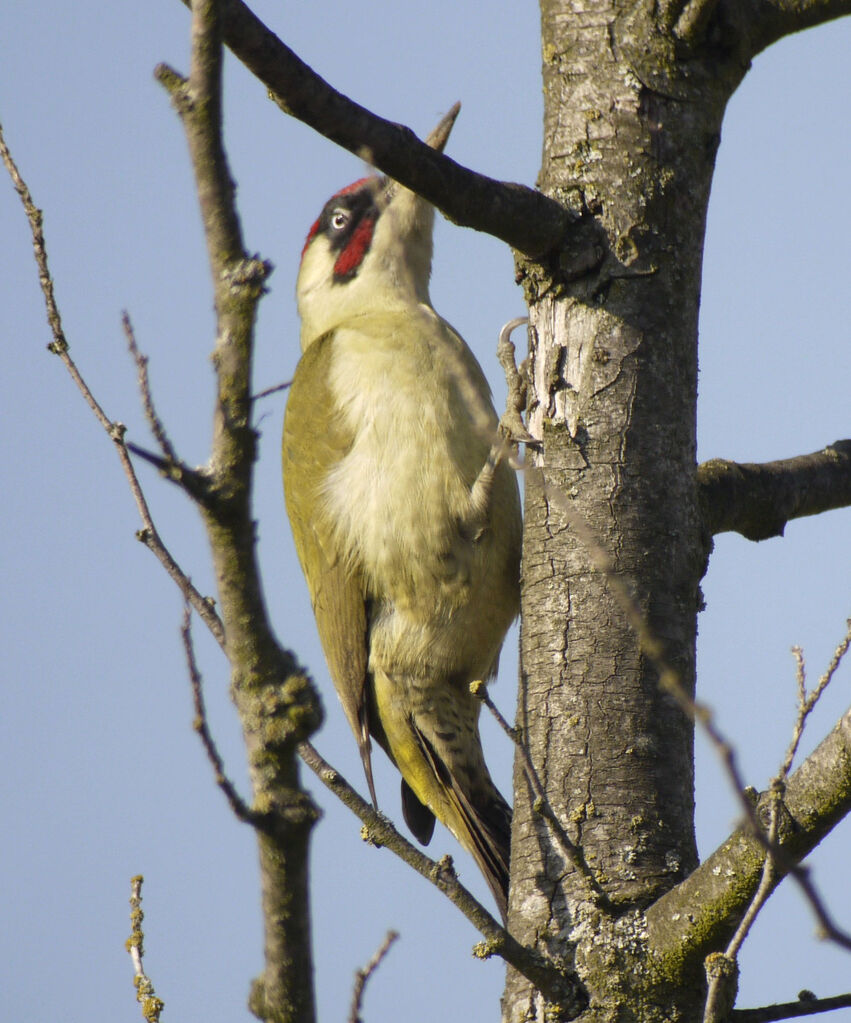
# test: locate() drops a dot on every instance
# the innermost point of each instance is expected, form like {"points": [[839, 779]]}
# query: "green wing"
{"points": [[336, 588]]}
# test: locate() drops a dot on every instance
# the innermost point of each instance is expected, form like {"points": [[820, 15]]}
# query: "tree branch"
{"points": [[807, 1005], [152, 1006], [770, 20], [363, 976], [240, 808], [520, 216], [277, 704], [148, 534], [377, 829], [722, 969], [700, 914], [757, 500]]}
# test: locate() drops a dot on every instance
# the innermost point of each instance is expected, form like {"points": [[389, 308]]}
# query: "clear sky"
{"points": [[101, 775]]}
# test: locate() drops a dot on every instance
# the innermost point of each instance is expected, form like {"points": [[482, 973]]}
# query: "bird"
{"points": [[404, 511]]}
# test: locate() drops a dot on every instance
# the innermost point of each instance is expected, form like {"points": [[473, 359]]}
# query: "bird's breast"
{"points": [[394, 499]]}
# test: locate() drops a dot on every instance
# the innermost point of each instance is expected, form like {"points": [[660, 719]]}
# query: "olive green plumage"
{"points": [[413, 575]]}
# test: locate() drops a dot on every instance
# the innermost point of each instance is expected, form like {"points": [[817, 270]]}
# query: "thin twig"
{"points": [[770, 869], [722, 970], [148, 534], [153, 418], [767, 881], [807, 1005], [806, 702], [35, 218], [241, 809], [827, 928], [271, 390], [362, 976], [152, 1006], [572, 853], [379, 831]]}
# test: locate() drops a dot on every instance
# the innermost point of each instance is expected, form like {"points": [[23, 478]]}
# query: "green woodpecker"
{"points": [[406, 521]]}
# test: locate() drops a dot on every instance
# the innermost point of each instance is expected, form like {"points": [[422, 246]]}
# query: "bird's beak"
{"points": [[436, 139], [439, 135]]}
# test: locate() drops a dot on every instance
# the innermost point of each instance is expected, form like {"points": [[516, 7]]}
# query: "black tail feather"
{"points": [[418, 817]]}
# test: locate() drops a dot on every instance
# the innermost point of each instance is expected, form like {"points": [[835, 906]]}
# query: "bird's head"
{"points": [[369, 250]]}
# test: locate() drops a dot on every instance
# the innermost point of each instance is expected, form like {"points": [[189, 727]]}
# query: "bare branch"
{"points": [[35, 218], [362, 976], [770, 20], [240, 808], [722, 969], [807, 1005], [154, 421], [277, 704], [827, 928], [380, 832], [722, 981], [758, 500], [700, 913], [807, 701], [722, 974], [767, 881], [521, 216], [266, 392], [148, 534], [152, 1006]]}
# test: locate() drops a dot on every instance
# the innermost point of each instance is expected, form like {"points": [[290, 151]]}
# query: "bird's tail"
{"points": [[475, 812]]}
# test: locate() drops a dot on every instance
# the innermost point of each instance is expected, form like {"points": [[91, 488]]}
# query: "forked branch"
{"points": [[701, 913]]}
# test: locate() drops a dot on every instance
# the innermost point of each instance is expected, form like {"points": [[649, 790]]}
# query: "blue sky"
{"points": [[101, 775]]}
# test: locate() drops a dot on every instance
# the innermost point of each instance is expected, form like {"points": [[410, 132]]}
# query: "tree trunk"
{"points": [[613, 389]]}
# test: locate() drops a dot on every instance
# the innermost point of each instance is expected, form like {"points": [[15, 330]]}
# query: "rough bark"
{"points": [[630, 133]]}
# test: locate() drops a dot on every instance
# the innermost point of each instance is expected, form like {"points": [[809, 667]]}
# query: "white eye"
{"points": [[339, 218]]}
